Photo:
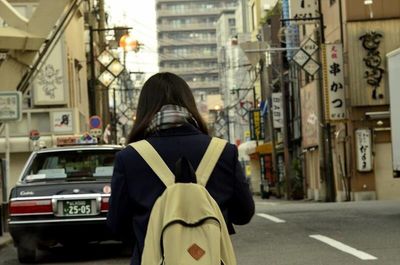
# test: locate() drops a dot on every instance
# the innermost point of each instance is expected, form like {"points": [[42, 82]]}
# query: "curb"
{"points": [[5, 239]]}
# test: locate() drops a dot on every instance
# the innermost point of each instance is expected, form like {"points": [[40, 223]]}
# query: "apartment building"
{"points": [[187, 41], [55, 99]]}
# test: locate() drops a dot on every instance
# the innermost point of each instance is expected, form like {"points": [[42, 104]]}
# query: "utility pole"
{"points": [[326, 140], [100, 100], [285, 129]]}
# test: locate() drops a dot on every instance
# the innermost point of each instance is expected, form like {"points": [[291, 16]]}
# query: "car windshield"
{"points": [[71, 165]]}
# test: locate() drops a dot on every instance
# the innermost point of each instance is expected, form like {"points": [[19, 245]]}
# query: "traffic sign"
{"points": [[34, 135], [10, 106], [96, 132], [95, 122]]}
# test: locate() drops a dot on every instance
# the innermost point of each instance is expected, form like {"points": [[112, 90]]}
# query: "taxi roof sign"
{"points": [[85, 139]]}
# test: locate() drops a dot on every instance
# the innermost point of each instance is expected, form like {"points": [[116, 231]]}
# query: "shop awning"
{"points": [[265, 148]]}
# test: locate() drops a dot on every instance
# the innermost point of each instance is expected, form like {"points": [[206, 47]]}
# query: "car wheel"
{"points": [[26, 253]]}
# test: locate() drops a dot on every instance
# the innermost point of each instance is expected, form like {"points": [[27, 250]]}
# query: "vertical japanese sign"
{"points": [[364, 150], [266, 168], [303, 9], [277, 110], [256, 125], [334, 82]]}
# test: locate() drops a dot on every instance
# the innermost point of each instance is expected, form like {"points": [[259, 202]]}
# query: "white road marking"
{"points": [[267, 203], [345, 248], [271, 218]]}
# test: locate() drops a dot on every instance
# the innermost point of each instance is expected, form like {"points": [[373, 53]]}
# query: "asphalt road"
{"points": [[284, 233]]}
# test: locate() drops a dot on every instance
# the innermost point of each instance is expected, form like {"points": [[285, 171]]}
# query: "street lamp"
{"points": [[93, 79], [113, 69], [128, 43]]}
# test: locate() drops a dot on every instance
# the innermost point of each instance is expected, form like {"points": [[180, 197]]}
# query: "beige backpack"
{"points": [[186, 226]]}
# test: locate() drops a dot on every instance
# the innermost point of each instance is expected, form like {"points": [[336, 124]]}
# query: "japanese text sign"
{"points": [[277, 110], [257, 130], [303, 9], [10, 106], [334, 82], [364, 150]]}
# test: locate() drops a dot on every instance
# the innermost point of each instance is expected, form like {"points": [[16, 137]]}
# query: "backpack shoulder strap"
{"points": [[209, 160], [154, 160]]}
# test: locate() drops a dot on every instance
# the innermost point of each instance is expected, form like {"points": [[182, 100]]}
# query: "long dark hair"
{"points": [[159, 90]]}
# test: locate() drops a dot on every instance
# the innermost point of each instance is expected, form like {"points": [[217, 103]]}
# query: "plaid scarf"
{"points": [[170, 116]]}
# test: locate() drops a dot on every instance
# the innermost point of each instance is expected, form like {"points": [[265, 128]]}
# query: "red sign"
{"points": [[34, 135]]}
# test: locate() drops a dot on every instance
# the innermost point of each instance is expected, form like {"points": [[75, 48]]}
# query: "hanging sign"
{"points": [[257, 130], [364, 150], [334, 82], [302, 9], [10, 106], [277, 110]]}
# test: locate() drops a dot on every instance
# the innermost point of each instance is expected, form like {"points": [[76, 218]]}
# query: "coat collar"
{"points": [[186, 129]]}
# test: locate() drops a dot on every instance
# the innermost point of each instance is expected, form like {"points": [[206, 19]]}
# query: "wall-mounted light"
{"points": [[369, 4], [377, 115]]}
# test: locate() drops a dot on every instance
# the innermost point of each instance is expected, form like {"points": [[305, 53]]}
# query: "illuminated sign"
{"points": [[257, 130]]}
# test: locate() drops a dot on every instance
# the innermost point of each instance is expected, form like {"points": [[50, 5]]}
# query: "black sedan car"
{"points": [[62, 197]]}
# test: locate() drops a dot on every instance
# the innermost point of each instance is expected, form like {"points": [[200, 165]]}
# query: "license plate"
{"points": [[77, 207]]}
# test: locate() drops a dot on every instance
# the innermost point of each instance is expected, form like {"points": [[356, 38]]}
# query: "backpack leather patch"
{"points": [[195, 251]]}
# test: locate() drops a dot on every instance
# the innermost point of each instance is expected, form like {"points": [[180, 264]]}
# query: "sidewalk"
{"points": [[5, 239]]}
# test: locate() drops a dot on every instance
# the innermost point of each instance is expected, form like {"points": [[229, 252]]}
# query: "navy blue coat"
{"points": [[135, 187]]}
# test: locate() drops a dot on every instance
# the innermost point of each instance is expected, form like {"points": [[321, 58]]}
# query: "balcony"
{"points": [[190, 70], [185, 42], [188, 56], [188, 12], [203, 84], [183, 27]]}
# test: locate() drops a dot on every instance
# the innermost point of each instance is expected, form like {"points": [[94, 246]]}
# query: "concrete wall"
{"points": [[356, 10], [315, 189], [387, 187], [255, 179], [76, 57]]}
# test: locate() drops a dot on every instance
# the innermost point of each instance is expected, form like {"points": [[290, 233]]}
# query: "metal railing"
{"points": [[184, 42], [187, 12]]}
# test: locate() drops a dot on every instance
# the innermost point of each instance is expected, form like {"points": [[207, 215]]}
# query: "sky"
{"points": [[141, 16]]}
